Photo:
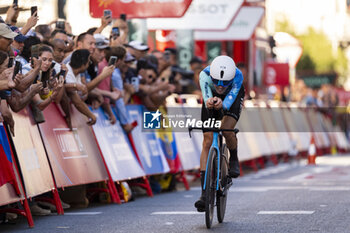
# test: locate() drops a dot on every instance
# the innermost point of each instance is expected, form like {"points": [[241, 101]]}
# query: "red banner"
{"points": [[140, 8], [276, 74], [74, 155]]}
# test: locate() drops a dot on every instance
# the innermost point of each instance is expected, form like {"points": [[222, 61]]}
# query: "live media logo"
{"points": [[151, 120]]}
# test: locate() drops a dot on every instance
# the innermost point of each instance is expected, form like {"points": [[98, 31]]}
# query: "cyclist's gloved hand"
{"points": [[210, 103], [217, 103]]}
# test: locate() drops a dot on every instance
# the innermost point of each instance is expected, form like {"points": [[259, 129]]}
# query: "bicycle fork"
{"points": [[216, 147]]}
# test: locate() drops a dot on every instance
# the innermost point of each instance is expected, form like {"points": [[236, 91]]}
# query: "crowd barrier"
{"points": [[52, 156]]}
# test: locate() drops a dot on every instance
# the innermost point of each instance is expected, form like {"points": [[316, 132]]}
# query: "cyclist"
{"points": [[222, 89]]}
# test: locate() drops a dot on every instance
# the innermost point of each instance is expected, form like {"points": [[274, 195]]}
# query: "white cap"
{"points": [[101, 41], [137, 45], [5, 31]]}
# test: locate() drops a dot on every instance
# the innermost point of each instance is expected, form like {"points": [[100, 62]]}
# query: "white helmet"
{"points": [[223, 68]]}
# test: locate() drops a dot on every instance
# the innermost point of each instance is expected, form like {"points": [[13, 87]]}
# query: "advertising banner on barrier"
{"points": [[189, 154], [140, 8], [9, 179], [252, 128], [7, 174], [147, 146], [201, 15], [31, 155], [315, 120], [116, 149], [73, 155]]}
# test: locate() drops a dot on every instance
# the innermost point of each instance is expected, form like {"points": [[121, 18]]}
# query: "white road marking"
{"points": [[335, 188], [175, 213], [323, 205], [188, 196], [169, 223], [83, 213], [287, 212], [299, 177], [63, 227]]}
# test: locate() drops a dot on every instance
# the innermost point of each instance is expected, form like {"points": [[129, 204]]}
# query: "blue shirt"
{"points": [[117, 82], [207, 87]]}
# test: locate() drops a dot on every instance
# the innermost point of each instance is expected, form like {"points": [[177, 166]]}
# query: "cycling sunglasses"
{"points": [[222, 83]]}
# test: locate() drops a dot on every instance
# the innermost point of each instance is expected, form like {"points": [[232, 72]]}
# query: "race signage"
{"points": [[140, 8], [242, 27], [201, 15], [276, 74]]}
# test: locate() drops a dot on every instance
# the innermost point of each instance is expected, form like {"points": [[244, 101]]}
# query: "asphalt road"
{"points": [[285, 198]]}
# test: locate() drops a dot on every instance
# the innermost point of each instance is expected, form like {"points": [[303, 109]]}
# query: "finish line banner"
{"points": [[116, 149]]}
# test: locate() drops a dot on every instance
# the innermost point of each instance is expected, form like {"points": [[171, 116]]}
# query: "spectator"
{"points": [[43, 31], [84, 41], [59, 46], [76, 90], [171, 56], [117, 82], [18, 42], [26, 54], [6, 37], [137, 49], [192, 85]]}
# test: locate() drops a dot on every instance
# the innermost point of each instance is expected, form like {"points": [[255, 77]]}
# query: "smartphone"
{"points": [[17, 69], [123, 17], [60, 25], [112, 60], [34, 52], [115, 32], [34, 9], [15, 2], [107, 13], [136, 83], [52, 65], [62, 73], [10, 62]]}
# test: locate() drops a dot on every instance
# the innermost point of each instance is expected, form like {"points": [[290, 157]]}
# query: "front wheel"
{"points": [[210, 187], [221, 197]]}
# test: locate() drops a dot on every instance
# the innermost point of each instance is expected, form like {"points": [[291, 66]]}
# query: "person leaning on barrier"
{"points": [[76, 90], [118, 85]]}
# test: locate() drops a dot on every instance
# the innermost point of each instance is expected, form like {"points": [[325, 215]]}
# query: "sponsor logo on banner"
{"points": [[140, 8], [70, 143], [242, 27], [201, 15]]}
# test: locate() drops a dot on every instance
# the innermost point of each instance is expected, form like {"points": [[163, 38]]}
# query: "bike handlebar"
{"points": [[212, 130]]}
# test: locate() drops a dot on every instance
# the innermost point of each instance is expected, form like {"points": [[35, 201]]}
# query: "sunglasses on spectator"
{"points": [[222, 83]]}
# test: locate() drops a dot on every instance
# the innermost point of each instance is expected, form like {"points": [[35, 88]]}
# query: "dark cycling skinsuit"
{"points": [[232, 98]]}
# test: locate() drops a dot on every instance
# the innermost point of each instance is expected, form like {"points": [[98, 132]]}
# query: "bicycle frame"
{"points": [[214, 145]]}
